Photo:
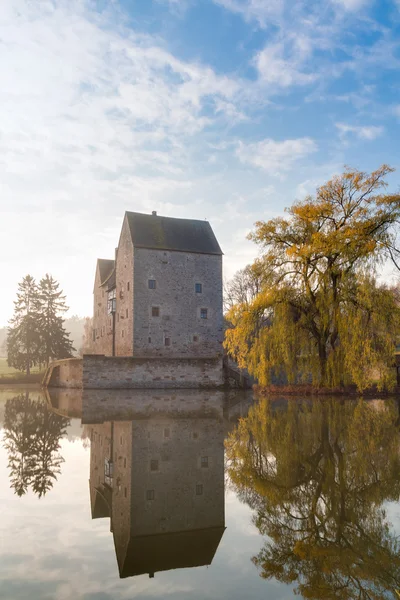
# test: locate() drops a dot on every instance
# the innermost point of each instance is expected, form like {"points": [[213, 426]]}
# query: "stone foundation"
{"points": [[106, 372]]}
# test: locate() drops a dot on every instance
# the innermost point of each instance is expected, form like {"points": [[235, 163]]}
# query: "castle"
{"points": [[162, 295], [157, 320]]}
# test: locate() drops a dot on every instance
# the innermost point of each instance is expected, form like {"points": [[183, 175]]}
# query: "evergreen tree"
{"points": [[55, 342], [19, 435], [32, 436], [23, 341], [50, 429]]}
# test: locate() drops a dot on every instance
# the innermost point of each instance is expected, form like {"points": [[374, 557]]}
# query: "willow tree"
{"points": [[318, 476], [321, 315]]}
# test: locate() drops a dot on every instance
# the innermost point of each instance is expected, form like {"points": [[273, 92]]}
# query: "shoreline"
{"points": [[307, 390]]}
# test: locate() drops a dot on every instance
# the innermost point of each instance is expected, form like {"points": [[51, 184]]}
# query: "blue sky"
{"points": [[226, 110]]}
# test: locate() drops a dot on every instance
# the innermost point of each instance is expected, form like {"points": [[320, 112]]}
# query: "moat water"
{"points": [[201, 495]]}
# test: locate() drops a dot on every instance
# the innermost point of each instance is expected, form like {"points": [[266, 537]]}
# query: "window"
{"points": [[126, 313], [128, 286], [204, 462], [112, 301], [166, 432], [198, 288], [204, 313], [94, 334], [125, 462], [195, 338], [167, 341], [152, 284], [154, 465], [125, 492], [195, 435], [155, 311], [122, 333], [199, 489], [149, 340], [149, 494]]}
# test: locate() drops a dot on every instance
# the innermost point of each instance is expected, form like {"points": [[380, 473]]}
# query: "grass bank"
{"points": [[8, 375]]}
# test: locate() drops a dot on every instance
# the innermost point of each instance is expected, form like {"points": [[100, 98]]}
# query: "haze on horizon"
{"points": [[225, 110]]}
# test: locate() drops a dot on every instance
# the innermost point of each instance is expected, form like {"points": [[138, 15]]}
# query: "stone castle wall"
{"points": [[102, 321], [105, 372], [125, 295], [65, 373], [179, 329]]}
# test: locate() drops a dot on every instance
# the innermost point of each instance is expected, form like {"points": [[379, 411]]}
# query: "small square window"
{"points": [[199, 489], [154, 465], [167, 341], [198, 288], [195, 338], [204, 462], [155, 311], [167, 432], [204, 313], [149, 494], [152, 284]]}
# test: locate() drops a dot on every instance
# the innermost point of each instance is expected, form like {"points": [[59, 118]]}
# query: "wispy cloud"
{"points": [[275, 157], [282, 63], [264, 12], [363, 132]]}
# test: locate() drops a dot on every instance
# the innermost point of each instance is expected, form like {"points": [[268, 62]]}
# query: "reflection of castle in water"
{"points": [[159, 478]]}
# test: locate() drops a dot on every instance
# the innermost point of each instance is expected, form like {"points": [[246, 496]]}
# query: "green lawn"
{"points": [[9, 374]]}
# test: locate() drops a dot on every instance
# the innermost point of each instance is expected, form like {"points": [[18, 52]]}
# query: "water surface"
{"points": [[197, 495]]}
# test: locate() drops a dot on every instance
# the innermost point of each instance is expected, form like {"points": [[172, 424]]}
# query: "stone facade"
{"points": [[168, 292], [133, 372], [160, 480], [178, 305]]}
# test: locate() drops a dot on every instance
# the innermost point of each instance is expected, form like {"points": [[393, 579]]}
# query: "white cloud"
{"points": [[351, 5], [275, 157], [281, 63], [263, 11], [95, 119], [363, 132]]}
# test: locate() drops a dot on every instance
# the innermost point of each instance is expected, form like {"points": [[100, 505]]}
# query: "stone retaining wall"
{"points": [[65, 373], [106, 372]]}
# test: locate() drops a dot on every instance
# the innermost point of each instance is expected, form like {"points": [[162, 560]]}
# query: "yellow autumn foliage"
{"points": [[321, 315]]}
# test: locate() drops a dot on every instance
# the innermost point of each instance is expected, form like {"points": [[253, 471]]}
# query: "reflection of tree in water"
{"points": [[32, 436], [317, 475]]}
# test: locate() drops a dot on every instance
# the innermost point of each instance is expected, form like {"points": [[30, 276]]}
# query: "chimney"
{"points": [[154, 213]]}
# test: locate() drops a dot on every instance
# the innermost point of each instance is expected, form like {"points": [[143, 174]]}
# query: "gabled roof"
{"points": [[106, 267], [166, 551], [167, 233]]}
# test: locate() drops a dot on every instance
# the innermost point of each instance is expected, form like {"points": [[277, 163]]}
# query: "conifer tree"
{"points": [[55, 342], [23, 341], [32, 435]]}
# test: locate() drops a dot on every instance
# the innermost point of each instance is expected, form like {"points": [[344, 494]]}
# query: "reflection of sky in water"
{"points": [[51, 548]]}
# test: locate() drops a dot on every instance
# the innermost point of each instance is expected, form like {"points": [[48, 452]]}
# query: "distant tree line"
{"points": [[36, 334]]}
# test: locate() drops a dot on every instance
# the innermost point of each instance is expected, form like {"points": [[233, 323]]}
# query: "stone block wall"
{"points": [[179, 321], [105, 372], [125, 294], [65, 373], [102, 321]]}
